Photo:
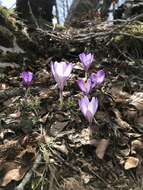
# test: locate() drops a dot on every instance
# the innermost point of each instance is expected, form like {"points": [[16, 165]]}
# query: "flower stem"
{"points": [[90, 129], [86, 75], [93, 128], [27, 92], [61, 98]]}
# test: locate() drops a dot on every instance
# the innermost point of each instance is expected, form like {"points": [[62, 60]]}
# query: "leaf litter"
{"points": [[72, 155], [70, 139]]}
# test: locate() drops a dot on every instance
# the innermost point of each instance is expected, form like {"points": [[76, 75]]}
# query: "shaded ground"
{"points": [[54, 147]]}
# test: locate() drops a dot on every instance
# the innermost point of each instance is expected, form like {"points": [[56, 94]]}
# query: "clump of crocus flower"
{"points": [[88, 108], [61, 72], [86, 60], [97, 78], [27, 78], [85, 87]]}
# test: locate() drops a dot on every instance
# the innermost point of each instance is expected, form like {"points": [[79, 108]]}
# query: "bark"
{"points": [[87, 9], [26, 9], [105, 7]]}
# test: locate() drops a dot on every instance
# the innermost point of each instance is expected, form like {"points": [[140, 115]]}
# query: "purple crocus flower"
{"points": [[84, 86], [27, 77], [61, 72], [88, 108], [97, 78], [86, 60]]}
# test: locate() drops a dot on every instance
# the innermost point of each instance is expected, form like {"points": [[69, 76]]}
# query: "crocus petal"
{"points": [[61, 82], [92, 106], [68, 70], [30, 76], [56, 77], [90, 57], [61, 85], [86, 60], [82, 57], [61, 72], [52, 69], [88, 86], [84, 86], [83, 104], [59, 68], [81, 85], [100, 75], [88, 108], [27, 77], [89, 116], [93, 80], [97, 78]]}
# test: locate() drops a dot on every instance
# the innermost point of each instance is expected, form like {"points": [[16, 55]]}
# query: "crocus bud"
{"points": [[86, 60], [88, 108], [97, 78], [84, 86], [27, 77]]}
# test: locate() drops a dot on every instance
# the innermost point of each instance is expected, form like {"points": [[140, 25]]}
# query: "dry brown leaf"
{"points": [[140, 120], [119, 119], [3, 87], [122, 123], [57, 127], [8, 103], [139, 124], [13, 170], [119, 95], [44, 118], [43, 76], [137, 100], [137, 145], [27, 156], [139, 171], [125, 152], [15, 115], [130, 114], [71, 183], [45, 93], [131, 162], [62, 148], [102, 116], [13, 174], [85, 177], [101, 148]]}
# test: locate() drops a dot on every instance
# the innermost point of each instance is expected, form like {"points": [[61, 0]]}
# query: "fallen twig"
{"points": [[12, 65], [28, 176]]}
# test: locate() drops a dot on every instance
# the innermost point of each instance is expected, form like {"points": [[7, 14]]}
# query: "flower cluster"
{"points": [[61, 72], [89, 108]]}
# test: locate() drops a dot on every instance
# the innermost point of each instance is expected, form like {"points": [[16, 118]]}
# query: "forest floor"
{"points": [[45, 147]]}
